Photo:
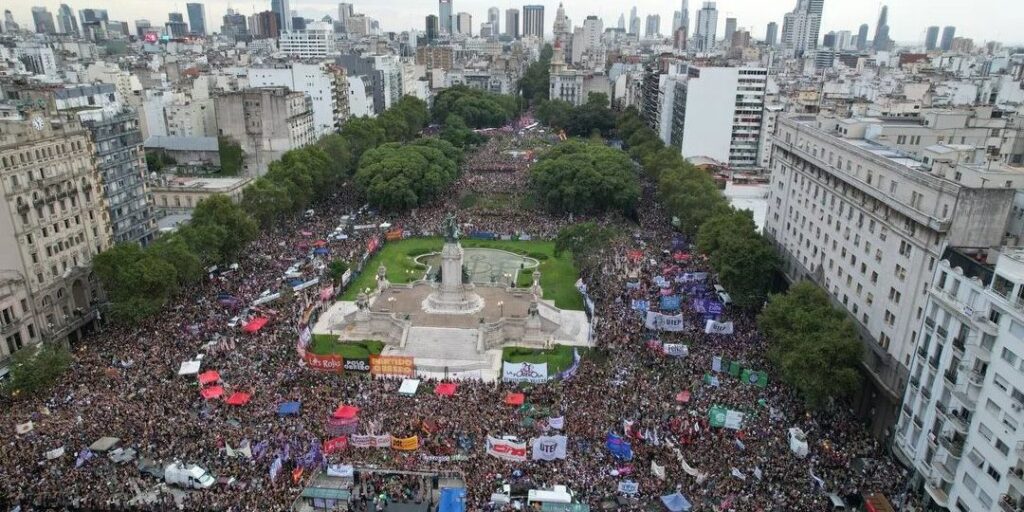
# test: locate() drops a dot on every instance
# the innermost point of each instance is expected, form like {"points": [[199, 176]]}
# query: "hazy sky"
{"points": [[983, 20]]}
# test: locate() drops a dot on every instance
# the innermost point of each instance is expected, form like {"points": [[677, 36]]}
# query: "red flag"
{"points": [[296, 475], [335, 445]]}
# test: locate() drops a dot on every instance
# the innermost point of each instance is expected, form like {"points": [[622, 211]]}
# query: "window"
{"points": [[1009, 356], [994, 473]]}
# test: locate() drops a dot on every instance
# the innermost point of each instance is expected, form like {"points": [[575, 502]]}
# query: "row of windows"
{"points": [[39, 153]]}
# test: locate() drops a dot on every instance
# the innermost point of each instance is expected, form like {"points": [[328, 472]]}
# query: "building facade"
{"points": [[533, 21], [723, 114], [265, 122], [707, 25], [315, 42], [326, 85]]}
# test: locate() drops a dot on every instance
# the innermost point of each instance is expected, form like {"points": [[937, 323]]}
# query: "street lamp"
{"points": [[501, 307]]}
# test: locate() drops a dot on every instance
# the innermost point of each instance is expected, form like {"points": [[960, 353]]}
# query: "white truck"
{"points": [[190, 476]]}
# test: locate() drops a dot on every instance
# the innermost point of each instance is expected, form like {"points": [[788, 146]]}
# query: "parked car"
{"points": [[723, 296], [189, 476]]}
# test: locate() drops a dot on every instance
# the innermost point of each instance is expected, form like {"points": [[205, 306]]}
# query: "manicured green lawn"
{"points": [[558, 275], [558, 358], [325, 344]]}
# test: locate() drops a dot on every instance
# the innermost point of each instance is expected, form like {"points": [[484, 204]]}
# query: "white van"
{"points": [[723, 296], [837, 502], [190, 476], [558, 494]]}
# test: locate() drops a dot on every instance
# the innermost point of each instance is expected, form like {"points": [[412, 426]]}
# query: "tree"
{"points": [[690, 195], [399, 177], [231, 156], [555, 113], [156, 160], [175, 251], [362, 134], [534, 84], [239, 227], [266, 201], [137, 282], [34, 369], [336, 269], [339, 156], [583, 240], [477, 108], [814, 345], [585, 177], [745, 262], [458, 134]]}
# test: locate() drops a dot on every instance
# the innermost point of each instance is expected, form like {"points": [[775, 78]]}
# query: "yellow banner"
{"points": [[406, 445]]}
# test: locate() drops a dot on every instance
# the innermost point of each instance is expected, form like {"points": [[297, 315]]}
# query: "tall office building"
{"points": [[264, 24], [283, 10], [66, 21], [720, 115], [771, 34], [494, 18], [176, 26], [931, 38], [653, 28], [444, 16], [948, 33], [622, 21], [730, 29], [196, 18], [464, 24], [862, 37], [800, 27], [707, 25], [42, 20], [433, 28], [512, 23], [684, 17], [143, 26], [345, 11], [881, 40], [234, 25], [634, 22], [533, 20]]}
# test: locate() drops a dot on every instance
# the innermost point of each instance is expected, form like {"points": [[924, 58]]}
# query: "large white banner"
{"points": [[524, 372], [506, 450], [733, 419], [659, 322], [550, 447], [368, 441], [629, 487], [713, 327], [557, 423], [675, 350]]}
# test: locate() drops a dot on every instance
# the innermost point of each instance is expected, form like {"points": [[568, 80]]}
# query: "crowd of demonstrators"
{"points": [[124, 383]]}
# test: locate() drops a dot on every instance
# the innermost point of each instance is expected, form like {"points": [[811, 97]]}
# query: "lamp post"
{"points": [[391, 303], [501, 308]]}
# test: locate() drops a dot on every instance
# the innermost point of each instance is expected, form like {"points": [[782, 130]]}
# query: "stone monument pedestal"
{"points": [[452, 295]]}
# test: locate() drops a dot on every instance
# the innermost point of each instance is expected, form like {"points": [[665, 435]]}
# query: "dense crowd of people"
{"points": [[124, 383]]}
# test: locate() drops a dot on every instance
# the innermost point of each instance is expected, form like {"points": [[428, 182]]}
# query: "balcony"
{"points": [[934, 361], [922, 351], [955, 446], [941, 332], [959, 344], [929, 322], [960, 420], [950, 376], [1008, 503]]}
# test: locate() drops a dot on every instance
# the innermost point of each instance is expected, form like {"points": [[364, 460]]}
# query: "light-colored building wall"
{"points": [[265, 122]]}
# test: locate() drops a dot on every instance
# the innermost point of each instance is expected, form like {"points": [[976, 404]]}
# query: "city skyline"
{"points": [[905, 24]]}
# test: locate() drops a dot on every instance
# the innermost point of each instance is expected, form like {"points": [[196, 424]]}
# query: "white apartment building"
{"points": [[55, 221], [868, 224], [564, 84], [315, 42], [960, 427], [724, 107], [266, 122], [319, 81]]}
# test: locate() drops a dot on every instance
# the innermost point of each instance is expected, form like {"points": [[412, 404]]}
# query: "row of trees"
{"points": [[593, 118], [584, 176], [477, 108], [745, 263], [813, 345], [140, 281]]}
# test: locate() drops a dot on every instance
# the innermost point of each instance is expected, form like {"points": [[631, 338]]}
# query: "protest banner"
{"points": [[324, 363], [401, 366], [524, 372], [406, 444], [505, 449], [549, 447]]}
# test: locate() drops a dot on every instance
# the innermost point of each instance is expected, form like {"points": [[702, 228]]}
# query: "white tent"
{"points": [[189, 368], [409, 387]]}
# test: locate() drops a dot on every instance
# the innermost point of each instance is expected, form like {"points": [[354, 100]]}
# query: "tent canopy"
{"points": [[189, 367], [452, 500], [346, 412], [409, 387], [208, 377], [255, 324], [446, 388], [238, 398], [212, 392], [104, 443], [289, 409], [676, 502], [515, 399]]}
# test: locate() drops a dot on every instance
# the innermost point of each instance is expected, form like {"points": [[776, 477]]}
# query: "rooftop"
{"points": [[182, 143]]}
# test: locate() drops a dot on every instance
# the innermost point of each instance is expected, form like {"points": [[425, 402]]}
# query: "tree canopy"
{"points": [[814, 345], [584, 240], [535, 82], [477, 108], [582, 177], [36, 368], [593, 117], [403, 176]]}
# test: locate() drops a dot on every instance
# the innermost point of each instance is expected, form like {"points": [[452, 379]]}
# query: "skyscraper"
{"points": [[771, 34], [634, 22], [444, 16], [433, 29], [494, 18], [730, 29], [283, 10], [66, 21], [622, 21], [42, 20], [684, 18], [800, 27], [512, 23], [862, 37], [234, 25], [464, 24], [196, 18], [653, 28], [948, 33], [176, 26], [533, 20], [881, 40], [707, 26], [931, 38]]}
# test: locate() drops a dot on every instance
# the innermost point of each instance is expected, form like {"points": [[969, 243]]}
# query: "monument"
{"points": [[455, 324], [453, 295]]}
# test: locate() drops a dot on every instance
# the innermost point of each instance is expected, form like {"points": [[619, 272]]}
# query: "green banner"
{"points": [[754, 377], [734, 368], [717, 416]]}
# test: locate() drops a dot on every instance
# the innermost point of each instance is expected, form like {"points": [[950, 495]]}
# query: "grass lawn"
{"points": [[326, 344], [557, 275], [558, 358]]}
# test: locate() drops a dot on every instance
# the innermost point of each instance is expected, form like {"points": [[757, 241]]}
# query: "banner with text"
{"points": [[402, 366], [660, 322], [407, 444], [370, 441], [713, 327], [506, 450], [324, 363], [550, 447], [524, 372]]}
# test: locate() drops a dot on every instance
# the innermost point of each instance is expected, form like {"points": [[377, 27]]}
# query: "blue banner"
{"points": [[713, 307], [618, 447], [641, 305], [670, 303]]}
